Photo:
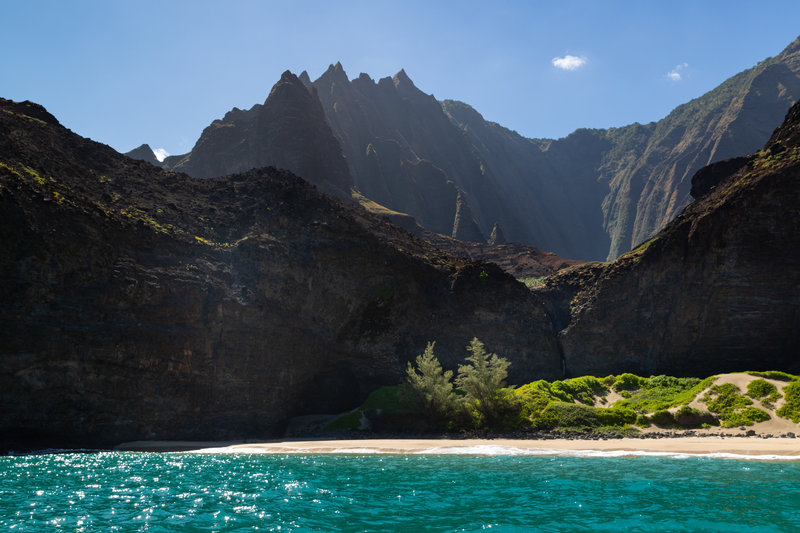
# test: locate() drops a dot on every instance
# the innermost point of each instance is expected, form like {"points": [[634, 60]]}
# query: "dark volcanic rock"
{"points": [[717, 290], [289, 131], [142, 304]]}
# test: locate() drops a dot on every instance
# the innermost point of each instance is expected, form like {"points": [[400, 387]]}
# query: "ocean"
{"points": [[188, 492]]}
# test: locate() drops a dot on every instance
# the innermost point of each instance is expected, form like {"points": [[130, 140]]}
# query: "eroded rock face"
{"points": [[288, 131], [717, 290], [139, 303]]}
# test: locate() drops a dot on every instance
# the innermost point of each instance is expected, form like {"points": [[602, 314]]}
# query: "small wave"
{"points": [[491, 450]]}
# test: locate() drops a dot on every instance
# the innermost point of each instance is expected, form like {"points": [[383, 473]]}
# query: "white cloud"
{"points": [[160, 154], [675, 74], [569, 62]]}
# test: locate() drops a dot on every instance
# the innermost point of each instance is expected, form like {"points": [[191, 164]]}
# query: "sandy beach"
{"points": [[752, 447]]}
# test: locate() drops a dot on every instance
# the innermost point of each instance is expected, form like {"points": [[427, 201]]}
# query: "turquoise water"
{"points": [[225, 492]]}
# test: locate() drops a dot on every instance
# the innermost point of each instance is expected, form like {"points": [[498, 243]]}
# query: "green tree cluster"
{"points": [[478, 394]]}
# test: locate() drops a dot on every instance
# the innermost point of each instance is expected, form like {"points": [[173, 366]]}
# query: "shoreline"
{"points": [[777, 448]]}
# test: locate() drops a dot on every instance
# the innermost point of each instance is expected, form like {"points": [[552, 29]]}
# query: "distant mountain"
{"points": [[144, 153], [598, 193], [593, 194], [718, 287]]}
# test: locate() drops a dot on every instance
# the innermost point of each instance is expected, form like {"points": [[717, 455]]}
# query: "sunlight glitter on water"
{"points": [[207, 492]]}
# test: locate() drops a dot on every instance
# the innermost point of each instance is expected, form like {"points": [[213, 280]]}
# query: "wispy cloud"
{"points": [[569, 62], [160, 154], [675, 74]]}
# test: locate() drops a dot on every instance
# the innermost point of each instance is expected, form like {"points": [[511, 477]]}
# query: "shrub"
{"points": [[746, 417], [663, 419], [628, 382], [763, 390], [533, 398], [689, 417], [725, 397], [791, 406], [578, 416], [733, 408], [582, 389]]}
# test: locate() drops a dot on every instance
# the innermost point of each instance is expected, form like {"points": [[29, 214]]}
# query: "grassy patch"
{"points": [[775, 374], [533, 282]]}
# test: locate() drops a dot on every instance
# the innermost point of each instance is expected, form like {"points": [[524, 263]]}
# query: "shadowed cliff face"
{"points": [[139, 303], [718, 289], [288, 131]]}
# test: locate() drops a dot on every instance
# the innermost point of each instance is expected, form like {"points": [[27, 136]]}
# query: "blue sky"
{"points": [[125, 73]]}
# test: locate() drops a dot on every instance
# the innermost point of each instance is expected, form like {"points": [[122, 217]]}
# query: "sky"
{"points": [[125, 73]]}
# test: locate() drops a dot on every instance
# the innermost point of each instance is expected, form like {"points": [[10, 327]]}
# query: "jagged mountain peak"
{"points": [[304, 77], [403, 83], [288, 81], [334, 74]]}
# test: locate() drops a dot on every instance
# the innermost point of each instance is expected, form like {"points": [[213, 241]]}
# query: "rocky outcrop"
{"points": [[144, 153], [496, 236], [138, 303], [288, 131], [718, 289], [464, 227]]}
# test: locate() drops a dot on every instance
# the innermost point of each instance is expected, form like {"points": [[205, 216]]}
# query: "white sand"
{"points": [[742, 447]]}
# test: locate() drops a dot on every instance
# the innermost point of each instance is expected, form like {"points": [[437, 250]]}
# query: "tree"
{"points": [[431, 384], [483, 380]]}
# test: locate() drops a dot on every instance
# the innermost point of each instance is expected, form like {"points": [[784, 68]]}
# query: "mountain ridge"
{"points": [[593, 194]]}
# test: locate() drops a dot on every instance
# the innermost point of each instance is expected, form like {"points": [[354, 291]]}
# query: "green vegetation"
{"points": [[761, 389], [791, 407], [647, 395], [628, 382], [775, 374], [733, 408], [432, 386], [533, 282], [478, 399], [482, 380], [577, 416]]}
